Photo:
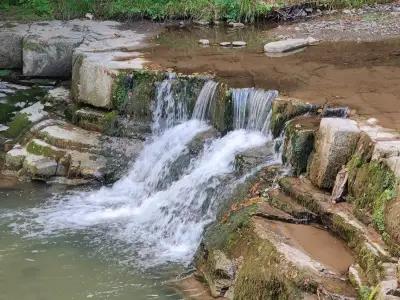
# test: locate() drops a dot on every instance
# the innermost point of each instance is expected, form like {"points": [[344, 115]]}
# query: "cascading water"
{"points": [[203, 103], [167, 111], [252, 108], [155, 223]]}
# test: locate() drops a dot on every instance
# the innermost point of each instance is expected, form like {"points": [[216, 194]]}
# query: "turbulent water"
{"points": [[155, 223]]}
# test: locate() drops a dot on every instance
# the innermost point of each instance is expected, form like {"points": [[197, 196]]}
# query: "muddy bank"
{"points": [[361, 75]]}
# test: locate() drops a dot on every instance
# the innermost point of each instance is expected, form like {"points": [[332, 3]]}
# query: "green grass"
{"points": [[229, 10], [235, 10]]}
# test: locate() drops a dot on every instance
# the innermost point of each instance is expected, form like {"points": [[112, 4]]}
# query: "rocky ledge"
{"points": [[341, 191]]}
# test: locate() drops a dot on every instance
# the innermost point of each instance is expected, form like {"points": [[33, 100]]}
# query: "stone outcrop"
{"points": [[299, 142], [285, 109], [46, 48], [335, 143]]}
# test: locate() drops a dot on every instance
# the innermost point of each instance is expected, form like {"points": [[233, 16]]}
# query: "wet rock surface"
{"points": [[335, 143]]}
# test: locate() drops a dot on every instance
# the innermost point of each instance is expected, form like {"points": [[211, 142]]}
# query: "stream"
{"points": [[134, 238]]}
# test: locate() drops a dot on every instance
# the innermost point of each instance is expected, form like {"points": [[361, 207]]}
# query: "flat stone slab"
{"points": [[35, 112], [288, 45]]}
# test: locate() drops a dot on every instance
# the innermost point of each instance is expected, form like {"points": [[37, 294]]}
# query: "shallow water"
{"points": [[364, 75], [68, 266]]}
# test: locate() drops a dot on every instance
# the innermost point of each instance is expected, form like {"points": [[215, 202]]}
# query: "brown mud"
{"points": [[362, 75], [318, 243]]}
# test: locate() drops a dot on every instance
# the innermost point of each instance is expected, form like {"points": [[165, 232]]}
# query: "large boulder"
{"points": [[49, 56], [10, 50], [93, 70], [335, 143], [11, 36]]}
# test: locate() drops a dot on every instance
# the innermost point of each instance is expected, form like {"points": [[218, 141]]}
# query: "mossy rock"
{"points": [[133, 94], [284, 109], [263, 272], [367, 255], [221, 110], [299, 142], [41, 148], [372, 186], [18, 126]]}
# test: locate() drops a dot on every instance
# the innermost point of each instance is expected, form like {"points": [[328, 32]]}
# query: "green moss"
{"points": [[284, 110], [222, 109], [372, 185], [5, 73], [110, 124], [133, 93], [305, 199], [44, 150], [18, 126], [300, 135], [264, 276]]}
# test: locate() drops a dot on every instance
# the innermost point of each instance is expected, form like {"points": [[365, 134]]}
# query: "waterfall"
{"points": [[167, 111], [203, 103], [252, 108], [148, 215]]}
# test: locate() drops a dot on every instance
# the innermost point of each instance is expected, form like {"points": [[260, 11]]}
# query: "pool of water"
{"points": [[65, 266]]}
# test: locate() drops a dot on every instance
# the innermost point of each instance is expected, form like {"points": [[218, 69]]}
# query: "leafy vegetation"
{"points": [[244, 10]]}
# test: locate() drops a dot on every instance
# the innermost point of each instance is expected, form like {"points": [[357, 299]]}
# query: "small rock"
{"points": [[372, 121], [201, 22], [236, 24], [3, 127], [239, 44], [225, 44], [204, 42], [289, 45], [396, 8], [40, 166], [15, 158], [89, 16], [346, 11]]}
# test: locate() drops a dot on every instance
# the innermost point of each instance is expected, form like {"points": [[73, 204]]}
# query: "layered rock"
{"points": [[335, 143], [46, 48], [299, 142]]}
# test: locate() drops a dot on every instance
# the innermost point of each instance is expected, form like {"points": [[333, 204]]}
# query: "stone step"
{"points": [[366, 243], [66, 136]]}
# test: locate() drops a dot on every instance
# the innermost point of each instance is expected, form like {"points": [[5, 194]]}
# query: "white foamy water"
{"points": [[158, 226], [150, 217]]}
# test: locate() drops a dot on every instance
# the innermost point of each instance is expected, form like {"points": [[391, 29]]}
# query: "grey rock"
{"points": [[288, 45], [239, 44], [14, 158], [50, 57], [11, 50], [204, 42], [39, 167], [236, 24], [225, 44], [335, 143]]}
